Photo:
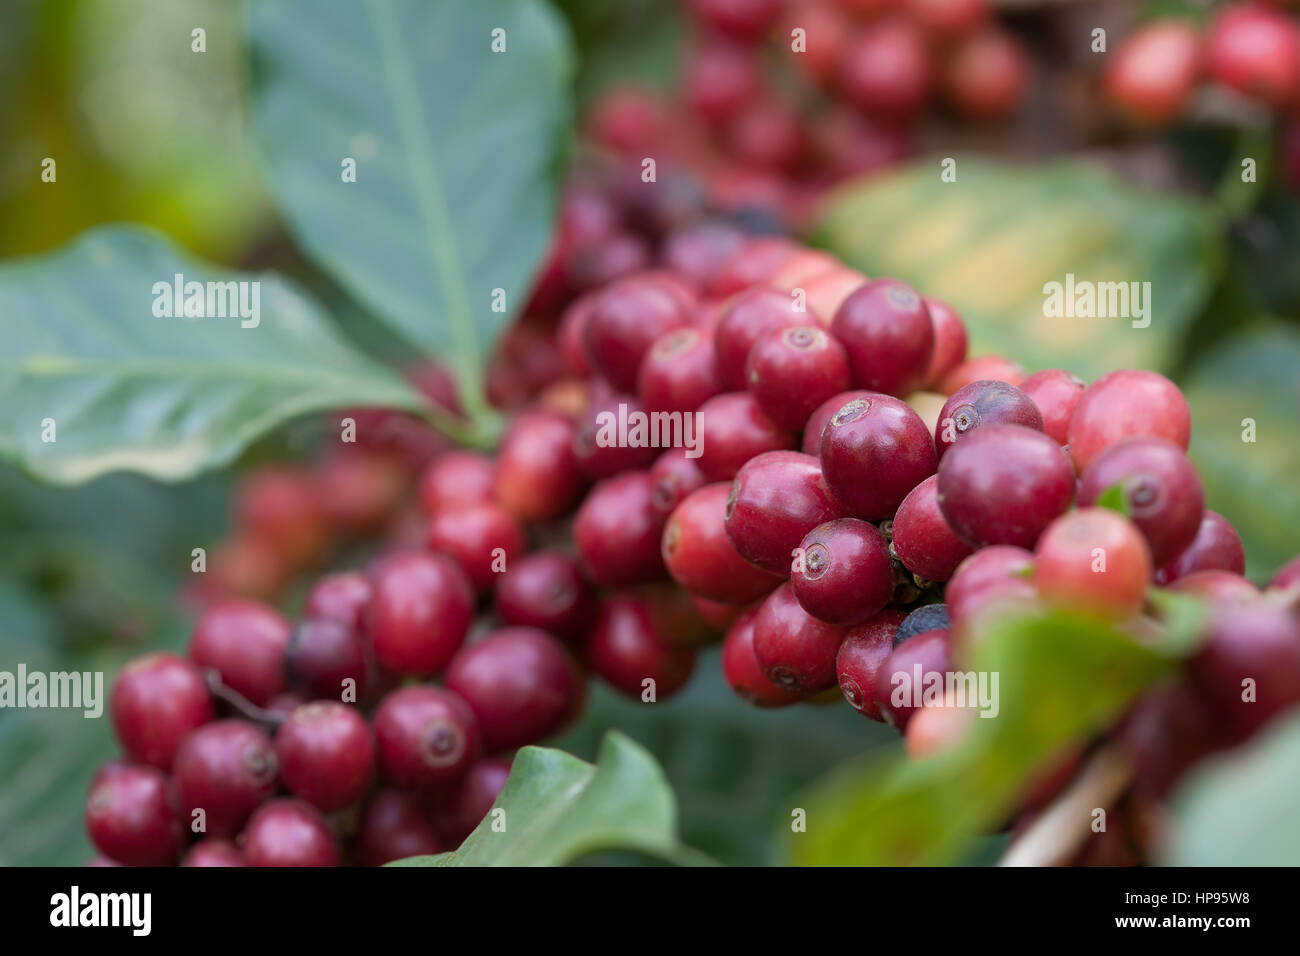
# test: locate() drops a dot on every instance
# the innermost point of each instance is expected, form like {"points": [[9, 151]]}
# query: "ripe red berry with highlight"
{"points": [[323, 655], [281, 505], [812, 431], [678, 374], [794, 649], [130, 819], [420, 613], [1127, 404], [521, 683], [288, 832], [547, 590], [1162, 492], [457, 478], [244, 642], [627, 319], [922, 539], [213, 851], [1217, 546], [483, 539], [395, 825], [537, 476], [626, 647], [843, 574], [983, 403], [862, 654], [902, 678], [156, 701], [700, 556], [343, 596], [226, 769], [886, 69], [465, 806], [874, 451], [987, 75], [991, 567], [755, 261], [1056, 393], [326, 754], [571, 335], [791, 372], [950, 341], [1095, 559], [752, 314], [730, 430], [617, 532], [1153, 74], [721, 77], [1256, 51], [672, 478], [888, 334], [741, 670], [1003, 484], [776, 499], [425, 737], [604, 442]]}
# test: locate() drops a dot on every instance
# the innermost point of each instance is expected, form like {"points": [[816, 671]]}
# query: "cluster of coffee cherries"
{"points": [[851, 495], [779, 99], [1249, 48]]}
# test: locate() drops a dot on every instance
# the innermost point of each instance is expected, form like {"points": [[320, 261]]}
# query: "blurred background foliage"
{"points": [[146, 132]]}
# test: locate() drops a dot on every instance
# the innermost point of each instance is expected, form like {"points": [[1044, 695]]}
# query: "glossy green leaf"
{"points": [[1239, 809], [128, 390], [1244, 398], [1114, 498], [556, 809], [1061, 678], [456, 149], [990, 241]]}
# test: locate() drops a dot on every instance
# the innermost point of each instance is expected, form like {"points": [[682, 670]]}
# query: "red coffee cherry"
{"points": [[997, 367], [521, 684], [888, 334], [547, 590], [483, 539], [700, 556], [326, 754], [698, 251], [1255, 50], [157, 700], [625, 321], [738, 19], [753, 263], [457, 478], [1127, 404], [1003, 484], [812, 431], [395, 825], [741, 670], [751, 315], [793, 371], [732, 429], [948, 18], [862, 654], [843, 574], [794, 649], [874, 451], [289, 832], [244, 642], [213, 851], [982, 403], [1162, 491], [987, 74], [1256, 641], [679, 373], [922, 539], [1217, 546], [627, 646], [886, 70], [672, 478], [617, 532], [130, 819], [226, 769], [1154, 72], [776, 499], [950, 341], [598, 445], [281, 505], [1056, 393], [537, 476], [1096, 559], [897, 692], [323, 655], [425, 737], [463, 809], [343, 596], [992, 567], [421, 611]]}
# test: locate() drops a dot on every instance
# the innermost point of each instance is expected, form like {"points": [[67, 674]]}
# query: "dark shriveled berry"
{"points": [[930, 617]]}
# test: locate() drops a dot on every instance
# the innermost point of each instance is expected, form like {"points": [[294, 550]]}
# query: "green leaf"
{"points": [[1249, 387], [1062, 677], [1239, 810], [167, 397], [456, 150], [1114, 498], [991, 240], [559, 808]]}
